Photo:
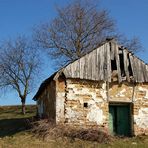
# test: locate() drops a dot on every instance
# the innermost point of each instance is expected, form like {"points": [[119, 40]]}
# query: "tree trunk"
{"points": [[23, 106]]}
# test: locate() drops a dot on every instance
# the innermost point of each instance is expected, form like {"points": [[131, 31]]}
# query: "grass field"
{"points": [[13, 134]]}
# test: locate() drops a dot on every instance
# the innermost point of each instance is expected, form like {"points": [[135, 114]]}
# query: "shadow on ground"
{"points": [[9, 127], [12, 121]]}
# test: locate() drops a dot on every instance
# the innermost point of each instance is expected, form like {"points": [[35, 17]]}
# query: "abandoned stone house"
{"points": [[106, 88]]}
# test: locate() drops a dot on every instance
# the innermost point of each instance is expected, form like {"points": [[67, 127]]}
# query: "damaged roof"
{"points": [[100, 63]]}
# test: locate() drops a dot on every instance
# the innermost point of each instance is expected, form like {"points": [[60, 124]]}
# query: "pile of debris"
{"points": [[46, 130]]}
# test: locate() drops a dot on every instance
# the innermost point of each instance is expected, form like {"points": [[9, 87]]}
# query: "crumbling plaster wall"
{"points": [[137, 95], [60, 100], [140, 109], [121, 92], [93, 94], [71, 94]]}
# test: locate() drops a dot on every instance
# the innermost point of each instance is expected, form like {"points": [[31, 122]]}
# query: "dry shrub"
{"points": [[46, 129]]}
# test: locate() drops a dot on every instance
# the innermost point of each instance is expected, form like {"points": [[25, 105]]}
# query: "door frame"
{"points": [[130, 105]]}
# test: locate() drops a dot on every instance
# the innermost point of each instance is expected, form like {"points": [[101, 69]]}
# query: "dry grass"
{"points": [[47, 130], [11, 137]]}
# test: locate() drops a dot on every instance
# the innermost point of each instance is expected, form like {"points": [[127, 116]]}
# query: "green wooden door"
{"points": [[112, 120], [119, 120], [123, 120]]}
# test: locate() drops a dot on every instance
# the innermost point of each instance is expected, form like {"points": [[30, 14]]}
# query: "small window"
{"points": [[85, 105]]}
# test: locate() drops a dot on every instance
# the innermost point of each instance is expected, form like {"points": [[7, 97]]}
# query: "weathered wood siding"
{"points": [[46, 102], [96, 65]]}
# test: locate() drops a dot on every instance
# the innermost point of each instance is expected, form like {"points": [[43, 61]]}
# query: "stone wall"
{"points": [[140, 109], [60, 100], [121, 92], [86, 103], [137, 96]]}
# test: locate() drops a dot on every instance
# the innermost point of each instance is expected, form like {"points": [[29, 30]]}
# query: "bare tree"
{"points": [[19, 64], [78, 28], [133, 44]]}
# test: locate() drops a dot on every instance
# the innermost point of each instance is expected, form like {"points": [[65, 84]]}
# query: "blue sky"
{"points": [[19, 16]]}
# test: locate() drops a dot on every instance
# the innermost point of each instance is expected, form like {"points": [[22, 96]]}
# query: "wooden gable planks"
{"points": [[75, 69], [126, 64], [82, 68], [101, 61], [108, 54], [89, 69], [67, 71], [85, 67], [118, 62], [96, 65], [146, 67], [138, 69], [132, 66], [107, 63], [144, 72], [93, 62], [112, 53]]}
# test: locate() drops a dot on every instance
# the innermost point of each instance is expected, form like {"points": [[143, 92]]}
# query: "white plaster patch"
{"points": [[60, 106], [141, 119], [70, 85], [71, 96], [72, 114], [81, 92], [91, 102], [145, 90], [121, 93], [103, 91], [95, 115]]}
